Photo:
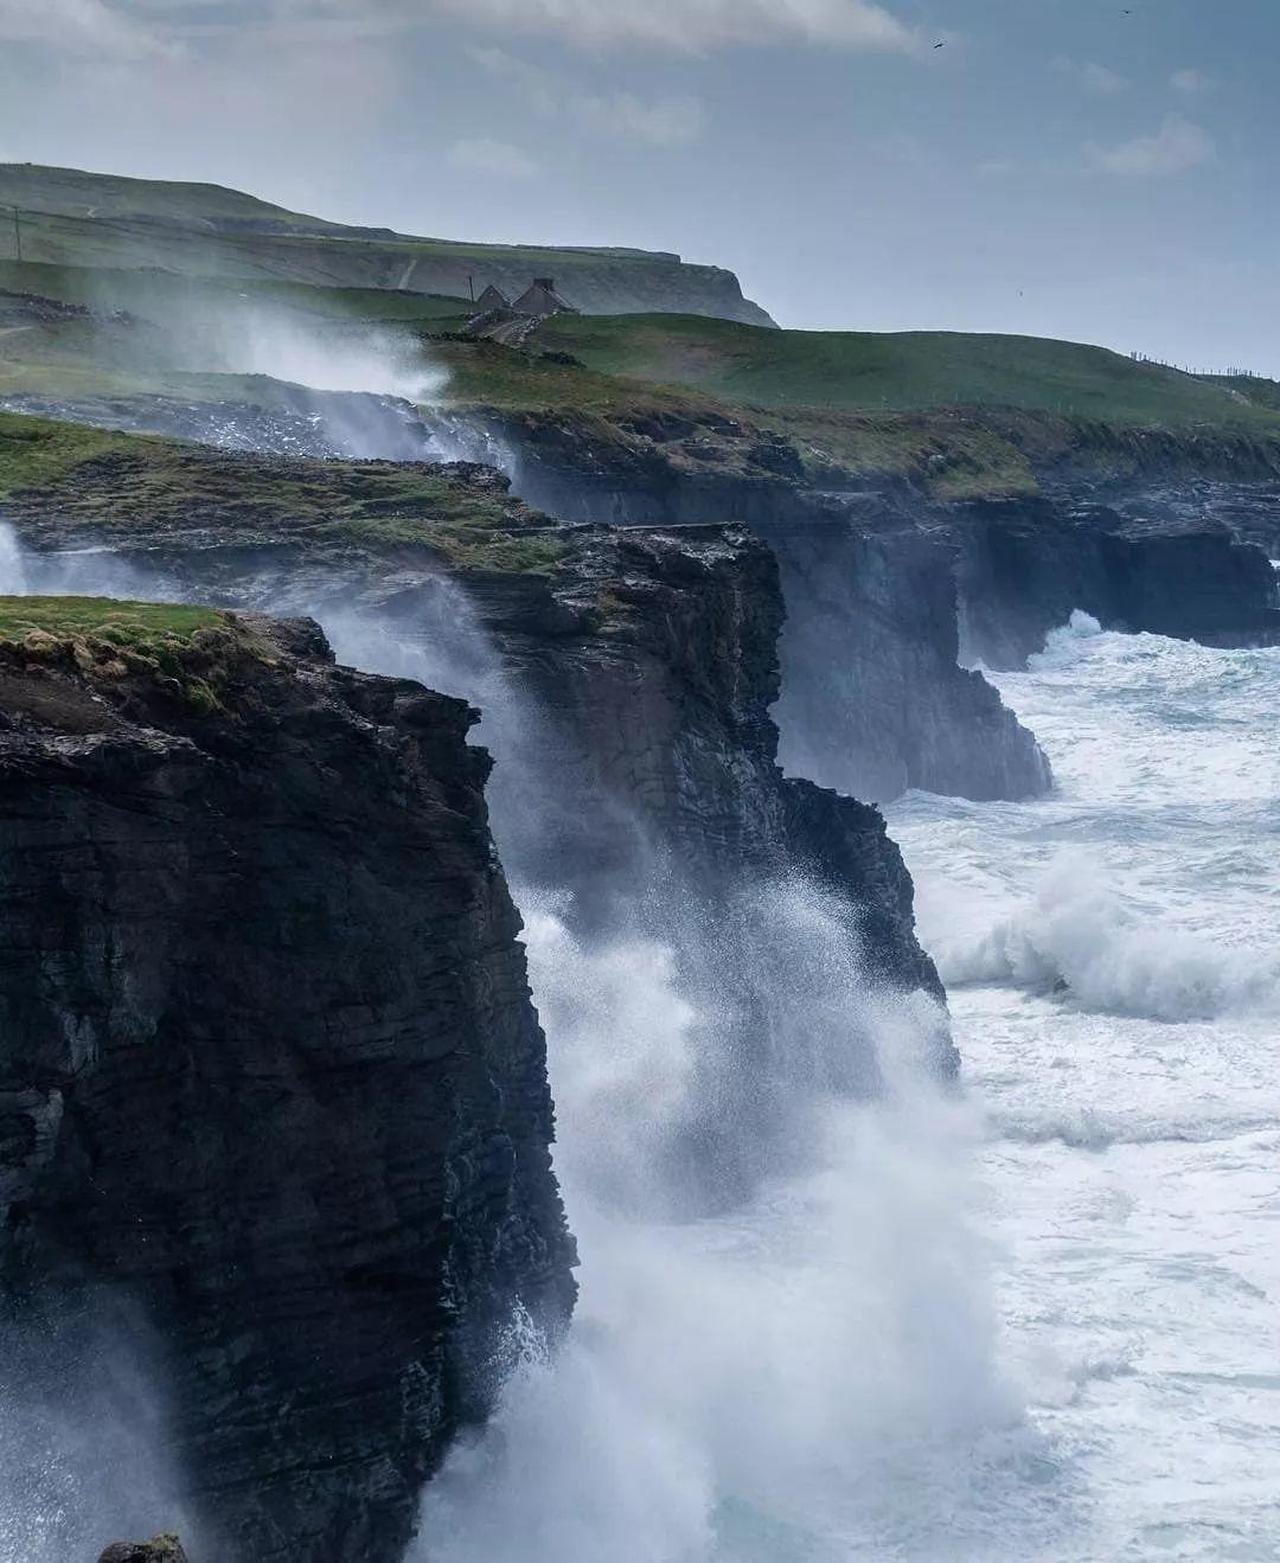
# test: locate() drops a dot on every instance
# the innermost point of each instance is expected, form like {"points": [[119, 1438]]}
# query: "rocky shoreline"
{"points": [[279, 1089]]}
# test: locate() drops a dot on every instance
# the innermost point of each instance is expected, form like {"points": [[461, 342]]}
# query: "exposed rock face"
{"points": [[269, 1071], [653, 658], [1250, 511], [1022, 568], [160, 1549], [874, 701], [1158, 549], [643, 781], [638, 760]]}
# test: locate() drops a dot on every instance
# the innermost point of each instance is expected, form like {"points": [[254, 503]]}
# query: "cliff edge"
{"points": [[271, 1084]]}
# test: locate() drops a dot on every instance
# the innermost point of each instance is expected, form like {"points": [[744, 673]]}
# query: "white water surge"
{"points": [[820, 1377], [1037, 1325], [1112, 957], [807, 1377]]}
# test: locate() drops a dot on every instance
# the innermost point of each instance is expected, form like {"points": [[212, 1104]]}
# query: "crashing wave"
{"points": [[1078, 939]]}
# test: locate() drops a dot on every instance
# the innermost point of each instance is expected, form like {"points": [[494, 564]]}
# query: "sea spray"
{"points": [[13, 563], [804, 1366], [1080, 939], [793, 1371], [787, 1369], [86, 1451]]}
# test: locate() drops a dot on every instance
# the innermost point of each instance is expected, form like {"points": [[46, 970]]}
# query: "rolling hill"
{"points": [[72, 217]]}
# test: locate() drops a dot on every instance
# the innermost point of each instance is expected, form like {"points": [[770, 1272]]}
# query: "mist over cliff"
{"points": [[474, 1087]]}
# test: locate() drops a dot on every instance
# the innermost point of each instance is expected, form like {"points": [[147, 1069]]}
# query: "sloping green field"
{"points": [[69, 217], [152, 292], [161, 277], [911, 370]]}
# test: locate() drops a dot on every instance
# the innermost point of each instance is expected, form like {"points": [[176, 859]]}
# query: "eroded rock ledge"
{"points": [[271, 1084]]}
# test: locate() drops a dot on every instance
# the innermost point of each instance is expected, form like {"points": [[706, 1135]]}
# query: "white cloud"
{"points": [[1100, 79], [79, 27], [1092, 77], [543, 90], [659, 122], [688, 25], [662, 122], [1190, 82], [485, 156], [1176, 147], [692, 25]]}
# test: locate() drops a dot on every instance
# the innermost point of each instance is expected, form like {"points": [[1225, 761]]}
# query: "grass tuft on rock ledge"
{"points": [[63, 485], [141, 627], [189, 654]]}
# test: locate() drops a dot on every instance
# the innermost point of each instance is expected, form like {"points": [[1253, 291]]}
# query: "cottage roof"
{"points": [[542, 299]]}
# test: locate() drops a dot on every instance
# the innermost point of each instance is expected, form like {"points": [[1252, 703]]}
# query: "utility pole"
{"points": [[17, 232], [471, 283]]}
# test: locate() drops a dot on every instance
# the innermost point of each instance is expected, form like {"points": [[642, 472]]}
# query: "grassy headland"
{"points": [[67, 484]]}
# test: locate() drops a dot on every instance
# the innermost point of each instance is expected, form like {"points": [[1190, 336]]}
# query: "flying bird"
{"points": [[941, 45]]}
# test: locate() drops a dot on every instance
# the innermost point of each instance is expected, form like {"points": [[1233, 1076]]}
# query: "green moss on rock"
{"points": [[139, 627]]}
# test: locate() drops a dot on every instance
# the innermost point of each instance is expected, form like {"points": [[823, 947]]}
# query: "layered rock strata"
{"points": [[271, 1083]]}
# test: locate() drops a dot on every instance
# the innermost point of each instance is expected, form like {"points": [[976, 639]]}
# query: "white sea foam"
{"points": [[791, 1374], [1078, 937], [1113, 952]]}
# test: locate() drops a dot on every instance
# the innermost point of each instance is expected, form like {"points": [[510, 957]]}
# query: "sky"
{"points": [[1100, 170]]}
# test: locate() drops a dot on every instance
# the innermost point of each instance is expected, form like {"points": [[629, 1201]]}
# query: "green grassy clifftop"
{"points": [[72, 217]]}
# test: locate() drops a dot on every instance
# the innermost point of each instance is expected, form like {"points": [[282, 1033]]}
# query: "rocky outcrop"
{"points": [[873, 698], [1022, 567], [160, 1549], [627, 690], [874, 701], [271, 1083], [639, 785], [1240, 495], [651, 659], [1156, 546], [646, 660]]}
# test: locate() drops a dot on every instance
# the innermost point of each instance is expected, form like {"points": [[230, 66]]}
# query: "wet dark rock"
{"points": [[874, 701], [1022, 567], [271, 1082], [160, 1549], [1152, 534]]}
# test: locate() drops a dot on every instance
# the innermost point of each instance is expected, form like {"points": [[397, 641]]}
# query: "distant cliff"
{"points": [[71, 217], [270, 1079]]}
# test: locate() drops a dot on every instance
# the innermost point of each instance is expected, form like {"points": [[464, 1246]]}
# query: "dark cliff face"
{"points": [[874, 701], [1023, 567], [654, 655], [639, 775], [270, 1079], [629, 705], [643, 784], [1155, 544], [1250, 511], [643, 668]]}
